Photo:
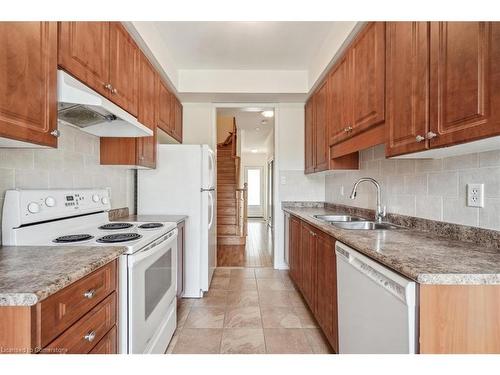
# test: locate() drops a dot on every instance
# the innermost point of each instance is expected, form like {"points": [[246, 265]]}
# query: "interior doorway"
{"points": [[245, 139]]}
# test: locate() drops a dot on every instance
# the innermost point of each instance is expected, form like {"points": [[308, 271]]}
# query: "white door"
{"points": [[254, 177]]}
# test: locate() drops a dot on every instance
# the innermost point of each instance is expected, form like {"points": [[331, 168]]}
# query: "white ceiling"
{"points": [[254, 133], [244, 45], [270, 61]]}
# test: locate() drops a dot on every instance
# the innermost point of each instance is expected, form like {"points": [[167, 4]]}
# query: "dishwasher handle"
{"points": [[398, 286]]}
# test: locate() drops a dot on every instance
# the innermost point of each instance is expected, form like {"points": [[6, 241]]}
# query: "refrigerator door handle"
{"points": [[203, 190], [211, 211]]}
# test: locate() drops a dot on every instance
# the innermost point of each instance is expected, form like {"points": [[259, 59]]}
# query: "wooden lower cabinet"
{"points": [[294, 249], [313, 269], [326, 290], [74, 320], [107, 345], [459, 319], [308, 265]]}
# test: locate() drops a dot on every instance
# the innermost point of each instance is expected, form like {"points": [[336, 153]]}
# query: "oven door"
{"points": [[152, 289]]}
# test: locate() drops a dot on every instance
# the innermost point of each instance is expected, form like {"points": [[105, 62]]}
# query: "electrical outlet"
{"points": [[475, 195], [283, 180]]}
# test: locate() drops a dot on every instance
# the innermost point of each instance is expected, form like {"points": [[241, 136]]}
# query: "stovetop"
{"points": [[93, 230]]}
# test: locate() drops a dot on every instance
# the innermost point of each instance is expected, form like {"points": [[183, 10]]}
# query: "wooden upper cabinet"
{"points": [[465, 77], [148, 82], [321, 149], [339, 103], [164, 121], [28, 82], [84, 52], [140, 151], [309, 137], [407, 87], [123, 68], [176, 118], [367, 59]]}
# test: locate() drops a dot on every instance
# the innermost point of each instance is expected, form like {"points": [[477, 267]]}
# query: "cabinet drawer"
{"points": [[64, 308], [107, 345], [89, 330]]}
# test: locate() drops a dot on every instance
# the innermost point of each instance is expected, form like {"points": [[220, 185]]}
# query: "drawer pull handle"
{"points": [[419, 138], [90, 336], [89, 294]]}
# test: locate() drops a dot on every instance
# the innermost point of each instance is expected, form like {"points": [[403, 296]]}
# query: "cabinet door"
{"points": [[176, 121], [294, 255], [146, 146], [465, 77], [28, 82], [407, 87], [339, 103], [367, 59], [308, 265], [123, 68], [309, 136], [164, 108], [84, 52], [321, 149], [326, 287]]}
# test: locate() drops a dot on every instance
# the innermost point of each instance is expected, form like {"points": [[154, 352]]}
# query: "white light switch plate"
{"points": [[475, 195]]}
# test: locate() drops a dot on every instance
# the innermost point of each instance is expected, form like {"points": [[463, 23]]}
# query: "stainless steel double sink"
{"points": [[356, 222]]}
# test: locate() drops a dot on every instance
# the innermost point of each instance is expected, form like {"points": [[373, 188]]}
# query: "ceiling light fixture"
{"points": [[257, 129], [251, 109], [254, 151], [267, 113]]}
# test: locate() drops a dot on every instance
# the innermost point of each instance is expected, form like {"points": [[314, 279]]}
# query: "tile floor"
{"points": [[247, 311]]}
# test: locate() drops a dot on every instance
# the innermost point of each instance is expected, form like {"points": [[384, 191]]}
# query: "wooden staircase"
{"points": [[231, 204]]}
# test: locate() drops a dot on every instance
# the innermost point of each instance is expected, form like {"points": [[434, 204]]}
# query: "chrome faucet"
{"points": [[379, 216]]}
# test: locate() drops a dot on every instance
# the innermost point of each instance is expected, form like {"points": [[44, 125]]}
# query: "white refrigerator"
{"points": [[183, 183]]}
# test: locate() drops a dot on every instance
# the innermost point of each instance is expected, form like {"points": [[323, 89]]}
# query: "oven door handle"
{"points": [[152, 248]]}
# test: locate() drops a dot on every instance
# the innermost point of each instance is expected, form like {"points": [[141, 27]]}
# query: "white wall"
{"points": [[290, 181], [199, 124], [243, 81]]}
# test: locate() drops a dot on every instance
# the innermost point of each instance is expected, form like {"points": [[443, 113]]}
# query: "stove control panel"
{"points": [[31, 206]]}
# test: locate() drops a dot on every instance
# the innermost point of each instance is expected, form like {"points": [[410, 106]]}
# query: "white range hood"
{"points": [[81, 106]]}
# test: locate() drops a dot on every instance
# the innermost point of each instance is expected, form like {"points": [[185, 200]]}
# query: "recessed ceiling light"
{"points": [[251, 109], [254, 151], [257, 129], [267, 113]]}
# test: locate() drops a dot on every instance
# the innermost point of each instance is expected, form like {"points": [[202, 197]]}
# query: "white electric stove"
{"points": [[147, 282]]}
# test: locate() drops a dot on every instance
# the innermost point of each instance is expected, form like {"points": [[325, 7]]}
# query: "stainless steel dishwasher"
{"points": [[376, 306]]}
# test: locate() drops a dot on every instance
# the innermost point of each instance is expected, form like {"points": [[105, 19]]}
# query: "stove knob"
{"points": [[33, 207], [105, 200], [95, 198], [50, 202]]}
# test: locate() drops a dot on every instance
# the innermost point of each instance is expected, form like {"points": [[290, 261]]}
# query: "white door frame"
{"points": [[257, 211], [279, 259]]}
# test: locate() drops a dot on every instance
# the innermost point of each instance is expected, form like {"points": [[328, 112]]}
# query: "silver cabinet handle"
{"points": [[430, 135], [56, 133], [419, 138], [89, 294], [89, 336], [108, 86], [114, 90]]}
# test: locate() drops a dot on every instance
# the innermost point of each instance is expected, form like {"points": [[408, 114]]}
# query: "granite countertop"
{"points": [[29, 274], [419, 255], [162, 218]]}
